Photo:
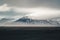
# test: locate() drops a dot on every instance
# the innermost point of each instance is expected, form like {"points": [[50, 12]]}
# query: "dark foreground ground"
{"points": [[30, 33]]}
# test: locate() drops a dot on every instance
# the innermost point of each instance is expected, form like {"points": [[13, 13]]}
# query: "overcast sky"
{"points": [[17, 8], [32, 3]]}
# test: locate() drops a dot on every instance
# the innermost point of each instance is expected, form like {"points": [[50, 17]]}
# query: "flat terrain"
{"points": [[29, 33]]}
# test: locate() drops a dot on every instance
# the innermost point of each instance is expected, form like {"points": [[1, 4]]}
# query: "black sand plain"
{"points": [[29, 33]]}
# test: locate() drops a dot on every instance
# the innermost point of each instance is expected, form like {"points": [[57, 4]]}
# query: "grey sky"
{"points": [[26, 3], [32, 3]]}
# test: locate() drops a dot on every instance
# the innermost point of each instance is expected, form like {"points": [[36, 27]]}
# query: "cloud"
{"points": [[43, 13], [4, 7], [37, 12], [33, 3], [7, 11]]}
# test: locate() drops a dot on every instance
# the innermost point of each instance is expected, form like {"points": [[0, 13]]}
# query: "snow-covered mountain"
{"points": [[26, 20], [54, 20], [35, 21]]}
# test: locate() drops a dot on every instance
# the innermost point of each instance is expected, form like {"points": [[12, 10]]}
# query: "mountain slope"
{"points": [[29, 20], [33, 21], [4, 20]]}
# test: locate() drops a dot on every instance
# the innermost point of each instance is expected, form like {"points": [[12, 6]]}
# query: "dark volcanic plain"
{"points": [[30, 33]]}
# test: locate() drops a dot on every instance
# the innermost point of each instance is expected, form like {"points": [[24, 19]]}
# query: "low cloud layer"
{"points": [[6, 11], [37, 12]]}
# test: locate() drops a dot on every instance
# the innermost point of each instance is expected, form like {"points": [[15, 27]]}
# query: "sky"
{"points": [[40, 9], [32, 3]]}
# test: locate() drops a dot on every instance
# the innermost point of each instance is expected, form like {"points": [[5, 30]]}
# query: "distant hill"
{"points": [[3, 20], [29, 20]]}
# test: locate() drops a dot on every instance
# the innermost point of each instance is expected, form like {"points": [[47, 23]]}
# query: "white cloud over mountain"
{"points": [[35, 13]]}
